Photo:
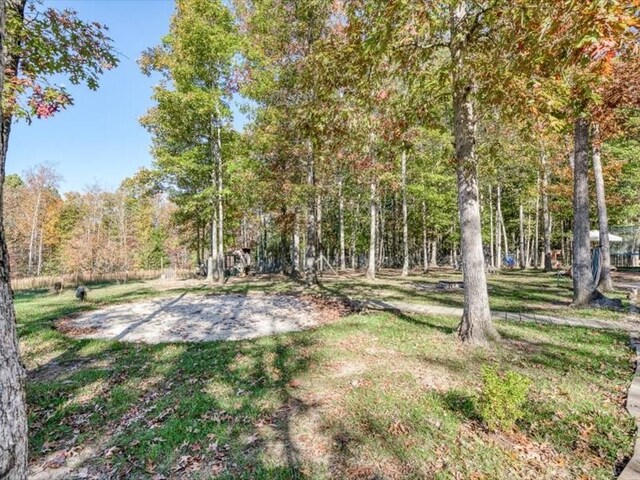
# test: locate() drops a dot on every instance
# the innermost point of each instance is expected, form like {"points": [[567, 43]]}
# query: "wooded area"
{"points": [[404, 135]]}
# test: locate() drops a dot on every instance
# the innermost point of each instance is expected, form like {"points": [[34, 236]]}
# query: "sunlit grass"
{"points": [[387, 395]]}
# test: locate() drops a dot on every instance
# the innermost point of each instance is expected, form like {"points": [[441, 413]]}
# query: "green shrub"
{"points": [[502, 398]]}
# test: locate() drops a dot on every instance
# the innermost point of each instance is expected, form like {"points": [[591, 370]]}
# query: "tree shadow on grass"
{"points": [[460, 403], [175, 409], [562, 357], [423, 321]]}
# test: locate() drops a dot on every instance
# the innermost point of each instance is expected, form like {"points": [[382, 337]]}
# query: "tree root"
{"points": [[600, 301]]}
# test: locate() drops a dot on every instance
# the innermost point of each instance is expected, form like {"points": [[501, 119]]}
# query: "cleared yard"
{"points": [[364, 396]]}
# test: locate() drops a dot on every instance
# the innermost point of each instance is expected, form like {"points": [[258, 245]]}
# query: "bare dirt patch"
{"points": [[199, 318]]}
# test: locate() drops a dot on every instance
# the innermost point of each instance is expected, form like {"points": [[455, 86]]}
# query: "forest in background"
{"points": [[348, 159], [91, 232], [99, 231]]}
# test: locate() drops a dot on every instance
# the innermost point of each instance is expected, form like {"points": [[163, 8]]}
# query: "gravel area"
{"points": [[200, 318]]}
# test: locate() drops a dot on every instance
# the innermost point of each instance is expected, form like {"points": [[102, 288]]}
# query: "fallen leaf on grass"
{"points": [[149, 466], [57, 460], [188, 463], [110, 452]]}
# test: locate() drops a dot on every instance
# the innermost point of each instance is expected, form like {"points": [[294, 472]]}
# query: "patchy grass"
{"points": [[511, 291], [369, 396]]}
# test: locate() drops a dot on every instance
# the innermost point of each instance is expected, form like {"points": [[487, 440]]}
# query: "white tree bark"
{"points": [[528, 243], [40, 240], [425, 250], [434, 253], [373, 207], [295, 250], [343, 260], [310, 252], [521, 253], [492, 261], [502, 224], [319, 245], [34, 232], [498, 230], [536, 242], [220, 199], [546, 216], [381, 232], [605, 284], [405, 224], [354, 262], [213, 263]]}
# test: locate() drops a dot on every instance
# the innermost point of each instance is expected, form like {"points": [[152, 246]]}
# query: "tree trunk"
{"points": [[503, 225], [563, 243], [39, 268], [492, 261], [605, 284], [319, 244], [203, 245], [528, 243], [343, 260], [295, 250], [212, 262], [371, 269], [221, 256], [405, 225], [213, 267], [220, 265], [311, 277], [583, 287], [381, 232], [498, 229], [521, 240], [354, 261], [13, 415], [34, 233], [475, 326], [434, 254], [546, 216], [425, 252], [453, 246], [536, 242], [198, 259]]}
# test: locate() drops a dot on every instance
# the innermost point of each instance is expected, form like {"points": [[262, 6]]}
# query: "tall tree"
{"points": [[13, 422], [476, 325], [196, 60], [36, 45], [583, 286], [605, 283], [405, 214]]}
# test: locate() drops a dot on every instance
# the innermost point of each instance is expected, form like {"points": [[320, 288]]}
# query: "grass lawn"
{"points": [[511, 291], [368, 396]]}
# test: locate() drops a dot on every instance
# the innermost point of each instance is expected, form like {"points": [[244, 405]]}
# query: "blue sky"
{"points": [[99, 139]]}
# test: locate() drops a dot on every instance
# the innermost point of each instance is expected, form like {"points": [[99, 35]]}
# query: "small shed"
{"points": [[238, 261]]}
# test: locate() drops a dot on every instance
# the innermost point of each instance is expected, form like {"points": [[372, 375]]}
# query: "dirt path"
{"points": [[629, 325]]}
